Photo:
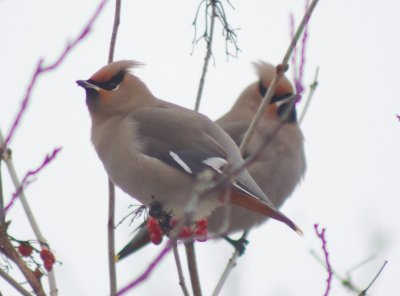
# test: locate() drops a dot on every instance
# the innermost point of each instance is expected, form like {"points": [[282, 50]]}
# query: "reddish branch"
{"points": [[298, 70], [41, 69], [321, 235], [27, 178], [148, 270], [8, 249]]}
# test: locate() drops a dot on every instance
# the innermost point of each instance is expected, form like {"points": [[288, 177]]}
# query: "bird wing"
{"points": [[190, 142], [177, 140]]}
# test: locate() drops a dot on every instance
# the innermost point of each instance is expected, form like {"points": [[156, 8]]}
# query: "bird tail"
{"points": [[252, 204], [140, 240]]}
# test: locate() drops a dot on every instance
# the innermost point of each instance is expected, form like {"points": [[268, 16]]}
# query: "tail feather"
{"points": [[258, 206], [140, 240]]}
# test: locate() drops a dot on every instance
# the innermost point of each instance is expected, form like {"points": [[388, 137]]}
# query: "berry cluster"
{"points": [[47, 256], [198, 232], [154, 229]]}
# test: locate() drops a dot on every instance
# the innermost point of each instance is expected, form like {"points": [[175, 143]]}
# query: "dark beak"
{"points": [[87, 85]]}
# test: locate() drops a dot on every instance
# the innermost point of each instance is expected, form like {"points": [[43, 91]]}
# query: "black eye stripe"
{"points": [[263, 90], [281, 97], [112, 83]]}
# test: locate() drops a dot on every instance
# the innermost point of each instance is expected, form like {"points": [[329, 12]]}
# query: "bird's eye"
{"points": [[112, 83], [280, 98], [262, 89]]}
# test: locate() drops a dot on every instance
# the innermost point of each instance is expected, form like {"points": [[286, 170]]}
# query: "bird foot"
{"points": [[238, 244]]}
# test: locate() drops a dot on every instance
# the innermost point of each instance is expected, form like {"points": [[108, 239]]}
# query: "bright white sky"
{"points": [[352, 137]]}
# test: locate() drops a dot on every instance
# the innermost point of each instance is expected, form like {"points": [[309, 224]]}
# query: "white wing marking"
{"points": [[180, 162]]}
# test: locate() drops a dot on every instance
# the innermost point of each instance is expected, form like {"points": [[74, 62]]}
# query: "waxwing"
{"points": [[153, 150], [280, 166]]}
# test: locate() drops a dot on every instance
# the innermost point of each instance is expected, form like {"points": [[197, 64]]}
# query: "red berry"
{"points": [[152, 225], [201, 235], [48, 265], [186, 232], [25, 249], [47, 255], [156, 238], [173, 222], [202, 224]]}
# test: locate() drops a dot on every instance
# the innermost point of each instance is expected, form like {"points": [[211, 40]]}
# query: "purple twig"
{"points": [[26, 180], [147, 272], [398, 116], [40, 69], [321, 235], [298, 70]]}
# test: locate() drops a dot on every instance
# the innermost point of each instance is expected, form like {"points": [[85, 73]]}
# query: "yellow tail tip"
{"points": [[299, 231], [116, 258]]}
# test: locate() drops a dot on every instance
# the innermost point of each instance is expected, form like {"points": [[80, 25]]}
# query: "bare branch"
{"points": [[26, 179], [40, 69], [209, 40], [229, 267], [313, 87], [194, 275], [2, 213], [111, 186], [360, 264], [344, 281], [364, 292], [13, 283], [111, 238], [28, 212], [218, 12], [147, 272], [182, 282], [8, 249], [117, 19], [204, 183], [265, 102], [321, 235]]}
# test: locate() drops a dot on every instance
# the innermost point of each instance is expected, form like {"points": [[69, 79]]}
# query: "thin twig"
{"points": [[194, 275], [14, 283], [12, 254], [232, 261], [321, 235], [182, 282], [2, 213], [111, 239], [364, 292], [313, 87], [360, 264], [228, 268], [280, 70], [40, 69], [28, 212], [344, 281], [147, 272], [209, 41], [204, 182], [26, 179], [117, 19], [111, 186]]}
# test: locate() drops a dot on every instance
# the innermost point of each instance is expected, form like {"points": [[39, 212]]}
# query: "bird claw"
{"points": [[238, 244]]}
